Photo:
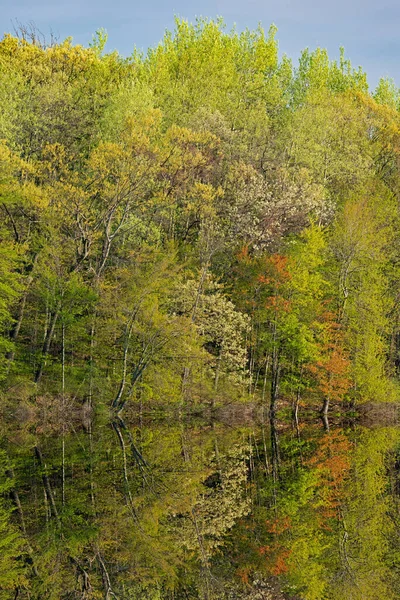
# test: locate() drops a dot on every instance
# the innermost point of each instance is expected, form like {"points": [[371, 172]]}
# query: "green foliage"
{"points": [[12, 550], [213, 143], [203, 223]]}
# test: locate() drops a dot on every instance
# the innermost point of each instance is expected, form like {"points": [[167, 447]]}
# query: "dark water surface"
{"points": [[192, 508]]}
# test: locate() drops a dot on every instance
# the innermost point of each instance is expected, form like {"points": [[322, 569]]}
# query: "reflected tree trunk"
{"points": [[275, 381]]}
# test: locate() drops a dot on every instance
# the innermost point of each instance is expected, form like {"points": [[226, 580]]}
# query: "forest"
{"points": [[202, 228]]}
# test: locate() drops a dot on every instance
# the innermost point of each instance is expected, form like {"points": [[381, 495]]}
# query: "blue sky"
{"points": [[368, 30]]}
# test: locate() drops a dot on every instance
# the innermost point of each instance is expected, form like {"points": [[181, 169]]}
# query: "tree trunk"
{"points": [[325, 407], [46, 345], [275, 457], [47, 486]]}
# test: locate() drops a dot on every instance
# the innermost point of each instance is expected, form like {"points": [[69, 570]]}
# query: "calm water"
{"points": [[189, 508]]}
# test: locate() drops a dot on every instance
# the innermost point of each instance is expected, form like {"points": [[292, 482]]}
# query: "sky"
{"points": [[368, 30]]}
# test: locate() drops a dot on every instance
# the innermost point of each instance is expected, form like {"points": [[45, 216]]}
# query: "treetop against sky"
{"points": [[368, 31]]}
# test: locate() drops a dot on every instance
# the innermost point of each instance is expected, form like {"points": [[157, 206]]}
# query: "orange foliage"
{"points": [[279, 262], [243, 254], [278, 303], [243, 573], [262, 281], [276, 272], [276, 555], [278, 525], [332, 370], [281, 565]]}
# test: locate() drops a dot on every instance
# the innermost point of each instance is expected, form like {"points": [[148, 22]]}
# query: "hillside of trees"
{"points": [[202, 225]]}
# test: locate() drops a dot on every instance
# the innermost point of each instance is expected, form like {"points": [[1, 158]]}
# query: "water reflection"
{"points": [[176, 509]]}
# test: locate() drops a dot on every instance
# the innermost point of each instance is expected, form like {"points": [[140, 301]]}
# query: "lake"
{"points": [[206, 507]]}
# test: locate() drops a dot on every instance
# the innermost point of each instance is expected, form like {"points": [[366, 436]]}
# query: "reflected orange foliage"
{"points": [[281, 565], [243, 573], [278, 525], [332, 460]]}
